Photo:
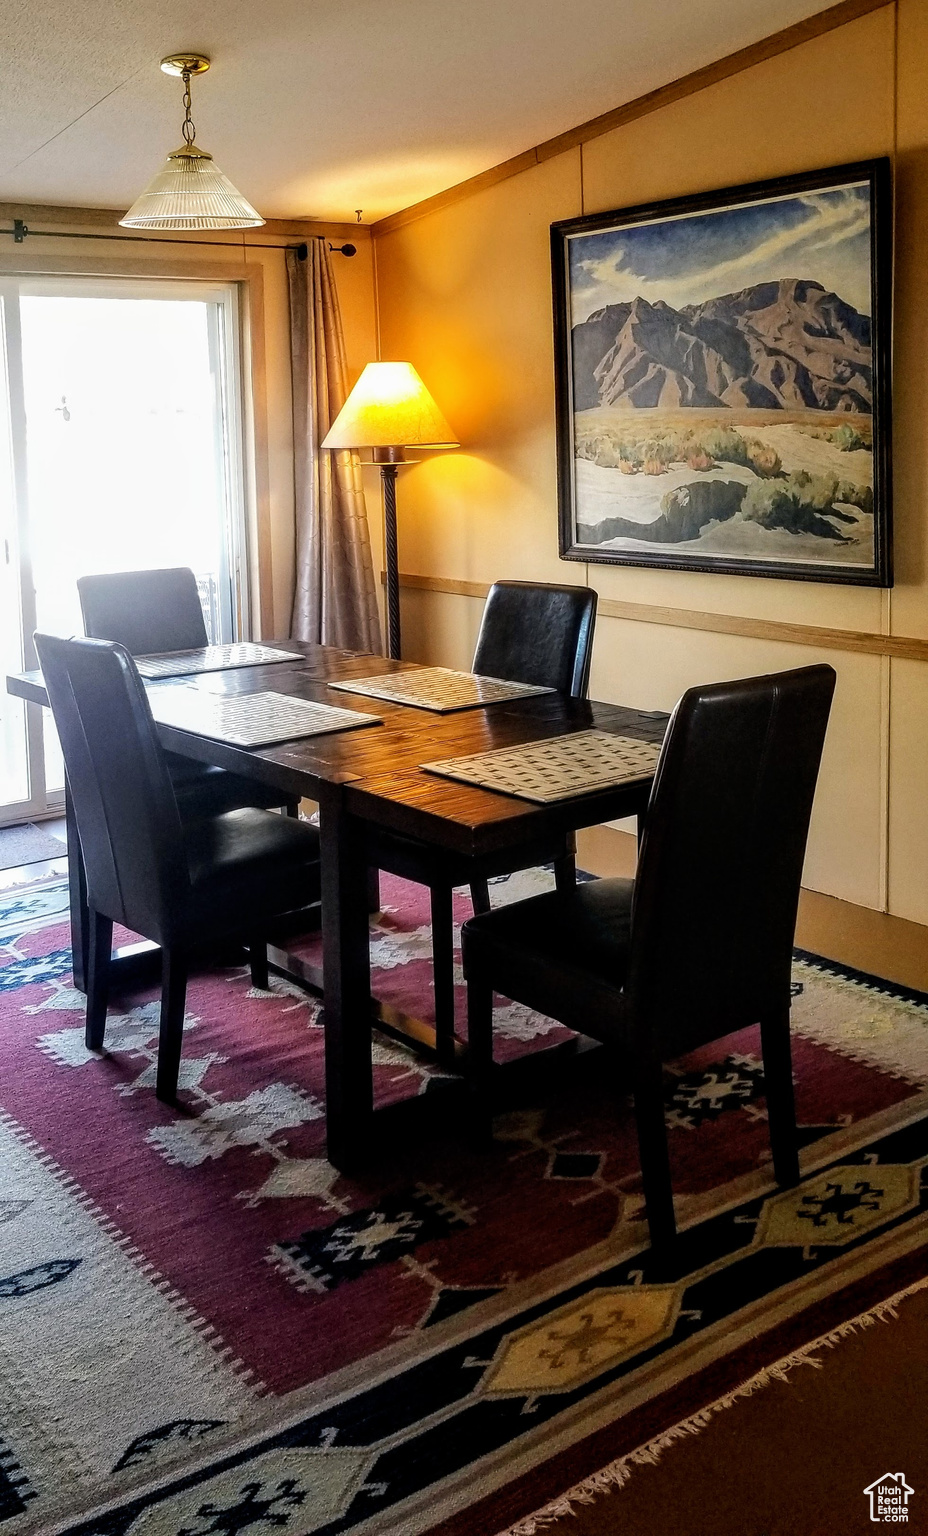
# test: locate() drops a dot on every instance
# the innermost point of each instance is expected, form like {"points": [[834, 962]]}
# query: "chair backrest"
{"points": [[145, 611], [537, 633], [126, 812], [720, 864]]}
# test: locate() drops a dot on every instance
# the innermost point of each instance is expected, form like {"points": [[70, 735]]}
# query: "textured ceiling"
{"points": [[317, 107]]}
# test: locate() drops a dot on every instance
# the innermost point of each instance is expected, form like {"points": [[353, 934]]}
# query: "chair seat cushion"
{"points": [[203, 790], [244, 864], [564, 953], [427, 864]]}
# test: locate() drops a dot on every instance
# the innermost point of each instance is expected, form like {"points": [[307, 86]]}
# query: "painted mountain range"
{"points": [[787, 345]]}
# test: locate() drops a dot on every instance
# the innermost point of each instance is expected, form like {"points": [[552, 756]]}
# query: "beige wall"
{"points": [[465, 294], [264, 277]]}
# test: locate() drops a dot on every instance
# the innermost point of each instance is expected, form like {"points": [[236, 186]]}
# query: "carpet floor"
{"points": [[205, 1328], [28, 844]]}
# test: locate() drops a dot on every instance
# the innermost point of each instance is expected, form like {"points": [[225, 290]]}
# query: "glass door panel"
{"points": [[124, 447], [123, 419]]}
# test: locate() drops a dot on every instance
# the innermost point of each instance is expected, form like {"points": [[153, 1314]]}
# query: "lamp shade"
{"points": [[390, 407], [190, 192]]}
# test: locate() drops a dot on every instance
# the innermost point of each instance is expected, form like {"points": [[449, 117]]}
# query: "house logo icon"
{"points": [[889, 1496]]}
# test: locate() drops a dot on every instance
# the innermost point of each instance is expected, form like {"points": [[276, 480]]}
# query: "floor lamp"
{"points": [[390, 410]]}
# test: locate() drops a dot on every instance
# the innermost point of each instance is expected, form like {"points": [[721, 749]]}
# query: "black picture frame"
{"points": [[655, 391]]}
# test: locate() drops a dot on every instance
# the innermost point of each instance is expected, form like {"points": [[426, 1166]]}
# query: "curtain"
{"points": [[334, 600]]}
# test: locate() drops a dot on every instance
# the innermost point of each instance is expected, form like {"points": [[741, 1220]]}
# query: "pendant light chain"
{"points": [[190, 192], [189, 130]]}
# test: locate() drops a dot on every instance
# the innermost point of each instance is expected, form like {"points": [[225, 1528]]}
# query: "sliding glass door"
{"points": [[120, 449]]}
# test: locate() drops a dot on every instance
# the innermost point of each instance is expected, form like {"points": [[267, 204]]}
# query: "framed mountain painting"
{"points": [[723, 387]]}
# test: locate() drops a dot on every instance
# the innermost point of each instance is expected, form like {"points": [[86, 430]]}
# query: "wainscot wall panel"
{"points": [[464, 293], [908, 764], [649, 667]]}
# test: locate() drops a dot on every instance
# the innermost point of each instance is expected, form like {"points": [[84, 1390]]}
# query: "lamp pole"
{"points": [[391, 555]]}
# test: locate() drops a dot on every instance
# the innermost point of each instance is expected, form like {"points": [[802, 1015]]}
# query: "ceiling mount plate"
{"points": [[181, 63]]}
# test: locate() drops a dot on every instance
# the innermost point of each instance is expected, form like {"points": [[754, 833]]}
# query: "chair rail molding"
{"points": [[899, 647]]}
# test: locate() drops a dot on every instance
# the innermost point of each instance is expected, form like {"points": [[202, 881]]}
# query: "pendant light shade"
{"points": [[190, 191]]}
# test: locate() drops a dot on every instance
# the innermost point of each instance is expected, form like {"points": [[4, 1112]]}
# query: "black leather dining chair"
{"points": [[149, 612], [183, 883], [700, 943], [531, 632], [537, 632]]}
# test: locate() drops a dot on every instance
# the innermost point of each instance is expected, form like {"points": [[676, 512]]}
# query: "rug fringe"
{"points": [[618, 1472]]}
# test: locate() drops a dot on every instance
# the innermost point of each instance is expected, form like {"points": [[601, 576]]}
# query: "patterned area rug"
{"points": [[204, 1328]]}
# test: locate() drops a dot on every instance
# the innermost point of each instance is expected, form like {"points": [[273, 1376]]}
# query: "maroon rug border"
{"points": [[518, 1499]]}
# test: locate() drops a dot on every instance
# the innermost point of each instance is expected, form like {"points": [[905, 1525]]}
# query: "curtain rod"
{"points": [[20, 230]]}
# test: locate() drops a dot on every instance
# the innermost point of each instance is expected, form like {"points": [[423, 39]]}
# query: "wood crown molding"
{"points": [[733, 64], [901, 647]]}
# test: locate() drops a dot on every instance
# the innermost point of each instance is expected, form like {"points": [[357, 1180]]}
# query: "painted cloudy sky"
{"points": [[822, 235]]}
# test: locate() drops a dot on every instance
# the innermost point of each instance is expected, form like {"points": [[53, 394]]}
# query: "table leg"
{"points": [[77, 897], [347, 983]]}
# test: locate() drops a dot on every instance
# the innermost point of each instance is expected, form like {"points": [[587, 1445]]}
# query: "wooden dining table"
{"points": [[365, 781]]}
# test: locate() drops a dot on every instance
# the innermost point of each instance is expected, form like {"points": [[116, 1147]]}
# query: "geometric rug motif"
{"points": [[15, 1491], [839, 1206], [371, 1460], [327, 1258], [27, 909], [694, 1097], [205, 1327]]}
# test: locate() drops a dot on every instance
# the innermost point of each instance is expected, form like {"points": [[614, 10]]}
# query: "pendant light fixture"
{"points": [[190, 191]]}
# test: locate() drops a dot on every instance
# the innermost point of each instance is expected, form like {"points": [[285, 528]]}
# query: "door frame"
{"points": [[38, 803]]}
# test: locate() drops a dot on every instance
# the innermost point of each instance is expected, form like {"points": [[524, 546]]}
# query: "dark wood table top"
{"points": [[377, 767]]}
